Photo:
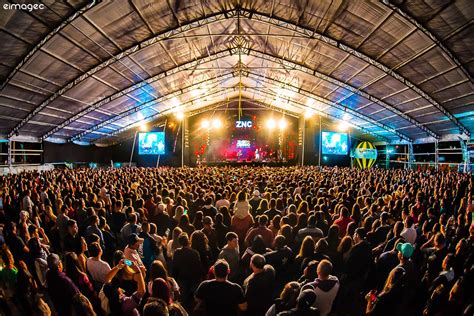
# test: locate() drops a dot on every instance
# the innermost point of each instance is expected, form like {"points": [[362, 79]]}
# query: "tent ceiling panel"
{"points": [[30, 97], [368, 59], [55, 70], [69, 50]]}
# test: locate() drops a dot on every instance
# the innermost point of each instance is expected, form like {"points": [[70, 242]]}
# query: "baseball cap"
{"points": [[406, 249], [133, 238]]}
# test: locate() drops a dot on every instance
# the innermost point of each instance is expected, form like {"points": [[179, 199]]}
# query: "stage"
{"points": [[241, 163]]}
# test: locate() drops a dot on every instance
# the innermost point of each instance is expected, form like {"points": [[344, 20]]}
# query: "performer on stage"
{"points": [[239, 155], [257, 154]]}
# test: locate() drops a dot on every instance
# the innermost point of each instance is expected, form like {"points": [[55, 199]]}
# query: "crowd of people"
{"points": [[236, 241]]}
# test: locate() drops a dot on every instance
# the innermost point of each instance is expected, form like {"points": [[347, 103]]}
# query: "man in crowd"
{"points": [[220, 296]]}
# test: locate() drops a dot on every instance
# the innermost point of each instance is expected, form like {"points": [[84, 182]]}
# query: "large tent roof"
{"points": [[87, 71]]}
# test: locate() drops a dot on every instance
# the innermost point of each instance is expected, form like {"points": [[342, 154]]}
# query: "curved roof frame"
{"points": [[433, 37], [270, 80], [266, 56], [40, 44], [185, 28], [250, 14]]}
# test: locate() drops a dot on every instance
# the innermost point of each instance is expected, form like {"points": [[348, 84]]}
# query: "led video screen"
{"points": [[151, 143], [334, 143]]}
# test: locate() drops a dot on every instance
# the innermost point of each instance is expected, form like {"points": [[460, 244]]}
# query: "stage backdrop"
{"points": [[223, 136]]}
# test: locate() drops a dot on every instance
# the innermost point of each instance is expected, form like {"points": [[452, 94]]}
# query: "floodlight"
{"points": [[216, 123], [205, 124], [271, 124], [180, 116], [282, 123]]}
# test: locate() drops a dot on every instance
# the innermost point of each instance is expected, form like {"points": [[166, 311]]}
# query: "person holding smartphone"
{"points": [[131, 252]]}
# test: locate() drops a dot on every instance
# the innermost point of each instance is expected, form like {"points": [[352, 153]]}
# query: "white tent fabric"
{"points": [[90, 70]]}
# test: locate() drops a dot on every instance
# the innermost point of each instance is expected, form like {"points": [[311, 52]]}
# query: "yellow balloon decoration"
{"points": [[365, 155]]}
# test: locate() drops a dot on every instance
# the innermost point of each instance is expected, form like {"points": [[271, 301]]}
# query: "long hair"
{"points": [[289, 294], [72, 266], [199, 241], [307, 247]]}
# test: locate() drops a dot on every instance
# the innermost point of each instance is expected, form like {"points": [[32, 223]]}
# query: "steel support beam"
{"points": [[327, 102], [219, 16], [153, 117], [50, 35], [465, 156], [411, 156], [282, 23], [161, 75], [290, 64], [178, 31], [301, 67], [148, 104], [428, 33]]}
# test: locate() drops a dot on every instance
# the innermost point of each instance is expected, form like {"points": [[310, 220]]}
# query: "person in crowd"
{"points": [[93, 228], [387, 302], [131, 251], [60, 286], [304, 305], [310, 230], [326, 287], [187, 269], [115, 301], [261, 230], [409, 232], [173, 243], [255, 201], [158, 270], [132, 227], [242, 220], [75, 272], [160, 290], [98, 269], [230, 253], [220, 296], [343, 220], [259, 286], [286, 300]]}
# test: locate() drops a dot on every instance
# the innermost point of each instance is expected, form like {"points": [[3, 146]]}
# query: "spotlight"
{"points": [[180, 116], [271, 124], [205, 124], [282, 123], [343, 126], [143, 127], [308, 114], [216, 123]]}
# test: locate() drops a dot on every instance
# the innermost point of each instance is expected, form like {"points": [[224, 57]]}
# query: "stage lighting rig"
{"points": [[271, 124], [282, 124]]}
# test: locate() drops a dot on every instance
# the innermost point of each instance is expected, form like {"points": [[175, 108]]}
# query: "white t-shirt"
{"points": [[98, 269], [409, 234]]}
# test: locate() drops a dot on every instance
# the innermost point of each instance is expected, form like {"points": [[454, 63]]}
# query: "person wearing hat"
{"points": [[61, 285], [405, 253], [131, 251], [259, 286]]}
